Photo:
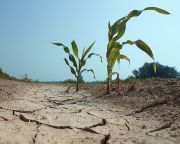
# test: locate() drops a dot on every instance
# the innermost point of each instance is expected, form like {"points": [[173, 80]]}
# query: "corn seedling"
{"points": [[116, 31], [78, 63]]}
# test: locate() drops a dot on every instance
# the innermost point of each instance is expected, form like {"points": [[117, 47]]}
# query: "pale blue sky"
{"points": [[27, 28]]}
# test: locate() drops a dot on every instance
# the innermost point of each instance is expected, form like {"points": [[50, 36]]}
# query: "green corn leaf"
{"points": [[141, 45], [134, 13], [58, 44], [75, 48], [111, 43], [144, 47], [82, 63], [72, 59], [66, 61], [128, 42], [73, 71], [113, 55], [83, 50], [109, 26], [66, 49], [89, 70], [87, 51], [116, 45], [114, 27], [71, 68], [121, 30], [123, 57], [94, 54], [83, 71], [159, 10]]}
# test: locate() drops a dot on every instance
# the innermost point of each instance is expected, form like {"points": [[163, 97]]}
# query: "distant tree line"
{"points": [[146, 71]]}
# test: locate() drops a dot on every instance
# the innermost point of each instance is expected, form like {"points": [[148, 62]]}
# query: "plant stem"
{"points": [[108, 80], [77, 83]]}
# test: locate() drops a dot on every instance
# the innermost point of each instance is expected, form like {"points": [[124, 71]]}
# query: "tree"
{"points": [[78, 62], [146, 71], [116, 31]]}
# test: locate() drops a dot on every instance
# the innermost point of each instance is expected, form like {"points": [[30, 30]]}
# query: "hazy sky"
{"points": [[27, 28]]}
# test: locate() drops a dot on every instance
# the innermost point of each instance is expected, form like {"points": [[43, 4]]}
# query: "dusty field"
{"points": [[142, 113]]}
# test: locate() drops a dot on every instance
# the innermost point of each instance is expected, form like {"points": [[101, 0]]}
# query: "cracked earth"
{"points": [[56, 114]]}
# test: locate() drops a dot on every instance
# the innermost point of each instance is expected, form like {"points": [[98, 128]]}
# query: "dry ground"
{"points": [[143, 112]]}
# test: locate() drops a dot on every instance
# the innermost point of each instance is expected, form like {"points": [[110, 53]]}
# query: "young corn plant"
{"points": [[78, 63], [116, 31]]}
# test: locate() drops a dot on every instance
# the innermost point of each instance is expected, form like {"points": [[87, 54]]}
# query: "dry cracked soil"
{"points": [[144, 112]]}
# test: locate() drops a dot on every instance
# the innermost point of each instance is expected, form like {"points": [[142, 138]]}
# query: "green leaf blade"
{"points": [[87, 51], [71, 68], [58, 44], [66, 49], [94, 54], [75, 48], [72, 59], [124, 57], [89, 70], [159, 10], [144, 47]]}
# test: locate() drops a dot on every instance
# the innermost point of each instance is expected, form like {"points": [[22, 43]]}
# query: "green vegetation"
{"points": [[78, 62], [27, 79], [116, 31], [4, 75], [146, 71]]}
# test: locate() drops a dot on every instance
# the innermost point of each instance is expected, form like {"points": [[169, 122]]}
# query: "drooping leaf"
{"points": [[144, 47], [75, 48], [72, 59], [89, 70], [66, 49], [94, 54], [71, 68], [134, 13], [87, 51], [141, 45], [128, 42], [123, 57], [162, 11]]}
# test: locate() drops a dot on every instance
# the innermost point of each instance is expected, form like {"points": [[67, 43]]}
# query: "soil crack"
{"points": [[35, 136], [105, 140], [5, 119], [168, 125], [88, 129], [158, 103]]}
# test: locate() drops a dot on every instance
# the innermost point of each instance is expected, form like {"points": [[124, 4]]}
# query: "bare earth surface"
{"points": [[145, 112]]}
